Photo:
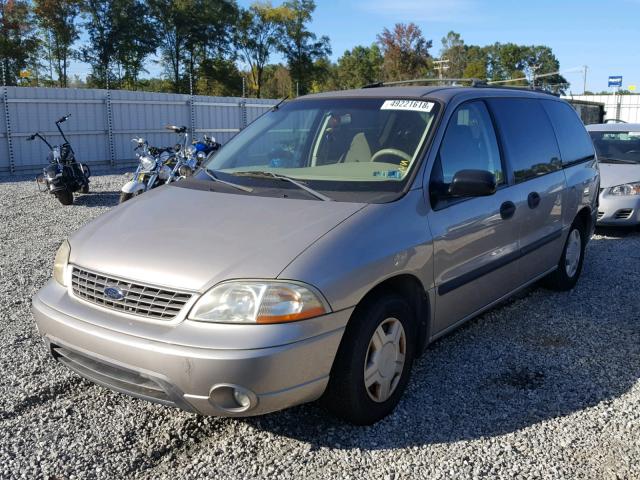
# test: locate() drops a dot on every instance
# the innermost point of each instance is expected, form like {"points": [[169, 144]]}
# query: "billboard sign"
{"points": [[615, 81]]}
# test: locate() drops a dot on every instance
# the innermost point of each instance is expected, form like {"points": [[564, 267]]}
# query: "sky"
{"points": [[604, 35]]}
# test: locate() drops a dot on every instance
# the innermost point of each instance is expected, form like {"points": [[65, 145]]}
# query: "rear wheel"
{"points": [[569, 268], [87, 174], [65, 197], [373, 363]]}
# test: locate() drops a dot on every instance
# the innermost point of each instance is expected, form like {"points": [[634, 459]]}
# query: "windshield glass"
{"points": [[623, 147], [332, 144]]}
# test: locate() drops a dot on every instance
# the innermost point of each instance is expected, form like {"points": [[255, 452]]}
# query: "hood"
{"points": [[612, 174], [193, 239]]}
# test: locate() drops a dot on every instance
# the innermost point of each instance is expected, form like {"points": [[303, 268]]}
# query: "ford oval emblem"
{"points": [[114, 293]]}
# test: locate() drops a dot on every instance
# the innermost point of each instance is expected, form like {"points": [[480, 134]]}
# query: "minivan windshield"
{"points": [[347, 145], [617, 147]]}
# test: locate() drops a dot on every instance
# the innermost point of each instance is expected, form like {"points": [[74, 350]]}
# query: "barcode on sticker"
{"points": [[414, 105]]}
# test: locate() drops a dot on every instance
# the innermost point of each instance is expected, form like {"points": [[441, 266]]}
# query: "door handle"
{"points": [[507, 209], [533, 199]]}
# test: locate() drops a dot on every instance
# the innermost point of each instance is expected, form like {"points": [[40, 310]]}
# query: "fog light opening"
{"points": [[232, 398]]}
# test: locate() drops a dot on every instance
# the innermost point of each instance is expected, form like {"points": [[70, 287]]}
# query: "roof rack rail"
{"points": [[451, 81], [473, 82]]}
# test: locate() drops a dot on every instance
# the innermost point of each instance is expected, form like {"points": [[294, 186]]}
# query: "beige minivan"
{"points": [[319, 252]]}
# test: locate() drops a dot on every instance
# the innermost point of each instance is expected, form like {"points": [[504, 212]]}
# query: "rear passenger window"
{"points": [[527, 135], [469, 143], [574, 141]]}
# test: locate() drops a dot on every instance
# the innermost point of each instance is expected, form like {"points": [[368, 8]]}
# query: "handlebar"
{"points": [[31, 137], [63, 119]]}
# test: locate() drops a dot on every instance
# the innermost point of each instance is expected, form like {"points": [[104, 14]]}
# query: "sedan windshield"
{"points": [[357, 145], [617, 147]]}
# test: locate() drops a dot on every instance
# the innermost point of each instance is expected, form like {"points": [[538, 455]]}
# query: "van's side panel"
{"points": [[378, 242]]}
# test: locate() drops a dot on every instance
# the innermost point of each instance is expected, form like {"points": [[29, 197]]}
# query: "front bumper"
{"points": [[618, 210], [276, 376]]}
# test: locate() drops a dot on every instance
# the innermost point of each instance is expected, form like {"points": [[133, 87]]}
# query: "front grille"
{"points": [[600, 214], [623, 213], [143, 300]]}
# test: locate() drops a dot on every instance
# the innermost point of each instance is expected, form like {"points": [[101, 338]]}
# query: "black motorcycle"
{"points": [[63, 175]]}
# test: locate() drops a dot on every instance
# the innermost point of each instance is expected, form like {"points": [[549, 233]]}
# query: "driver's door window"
{"points": [[469, 143]]}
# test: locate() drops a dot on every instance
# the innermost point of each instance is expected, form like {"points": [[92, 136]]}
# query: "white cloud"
{"points": [[423, 10]]}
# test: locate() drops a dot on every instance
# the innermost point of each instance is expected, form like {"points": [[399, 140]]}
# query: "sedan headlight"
{"points": [[258, 302], [60, 262], [625, 189], [147, 163]]}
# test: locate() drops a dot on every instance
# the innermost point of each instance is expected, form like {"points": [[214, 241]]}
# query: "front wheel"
{"points": [[373, 363], [65, 197], [569, 268], [124, 196]]}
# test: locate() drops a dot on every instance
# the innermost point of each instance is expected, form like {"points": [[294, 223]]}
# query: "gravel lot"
{"points": [[545, 386]]}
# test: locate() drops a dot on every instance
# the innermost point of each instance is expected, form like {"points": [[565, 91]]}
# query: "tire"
{"points": [[125, 196], [87, 173], [566, 275], [65, 197], [347, 395]]}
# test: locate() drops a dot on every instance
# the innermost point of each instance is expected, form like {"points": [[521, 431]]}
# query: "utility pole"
{"points": [[534, 69], [584, 85], [441, 66]]}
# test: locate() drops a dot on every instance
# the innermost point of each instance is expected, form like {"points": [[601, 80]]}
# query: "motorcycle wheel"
{"points": [[124, 196], [87, 174], [65, 197]]}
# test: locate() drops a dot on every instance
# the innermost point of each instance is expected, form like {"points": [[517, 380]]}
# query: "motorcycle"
{"points": [[205, 147], [63, 175], [153, 169]]}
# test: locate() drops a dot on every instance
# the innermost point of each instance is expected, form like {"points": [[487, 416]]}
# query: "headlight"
{"points": [[626, 189], [147, 162], [258, 302], [60, 262], [191, 150]]}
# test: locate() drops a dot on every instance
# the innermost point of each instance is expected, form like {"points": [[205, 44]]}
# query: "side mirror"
{"points": [[472, 183]]}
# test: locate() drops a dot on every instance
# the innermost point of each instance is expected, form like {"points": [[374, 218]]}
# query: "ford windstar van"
{"points": [[319, 252]]}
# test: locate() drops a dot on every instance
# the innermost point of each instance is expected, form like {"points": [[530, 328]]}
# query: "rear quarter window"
{"points": [[573, 139], [527, 136]]}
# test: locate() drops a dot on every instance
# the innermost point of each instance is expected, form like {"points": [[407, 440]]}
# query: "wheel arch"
{"points": [[410, 288]]}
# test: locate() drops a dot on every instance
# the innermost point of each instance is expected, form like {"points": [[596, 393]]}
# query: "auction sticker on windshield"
{"points": [[414, 105]]}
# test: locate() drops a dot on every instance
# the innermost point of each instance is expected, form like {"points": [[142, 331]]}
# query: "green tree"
{"points": [[57, 20], [277, 82], [359, 66], [454, 50], [121, 37], [301, 47], [191, 32], [259, 31], [476, 62], [135, 37], [406, 52], [18, 40]]}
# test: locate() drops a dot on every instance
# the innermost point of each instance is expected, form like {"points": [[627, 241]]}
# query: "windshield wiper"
{"points": [[616, 160], [224, 182], [278, 176]]}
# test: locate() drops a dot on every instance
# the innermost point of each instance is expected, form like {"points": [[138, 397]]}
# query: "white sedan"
{"points": [[618, 148]]}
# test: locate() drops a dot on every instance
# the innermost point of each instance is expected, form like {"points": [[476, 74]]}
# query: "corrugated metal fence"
{"points": [[621, 107], [103, 122]]}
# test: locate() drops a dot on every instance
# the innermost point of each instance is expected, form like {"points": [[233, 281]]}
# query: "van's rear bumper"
{"points": [[275, 377]]}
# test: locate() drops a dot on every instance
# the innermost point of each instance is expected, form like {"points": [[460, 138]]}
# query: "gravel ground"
{"points": [[544, 386]]}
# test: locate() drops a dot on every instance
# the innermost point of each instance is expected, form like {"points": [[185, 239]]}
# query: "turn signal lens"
{"points": [[258, 302], [60, 262]]}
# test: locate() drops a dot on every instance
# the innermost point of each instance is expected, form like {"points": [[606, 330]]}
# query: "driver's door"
{"points": [[475, 239]]}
